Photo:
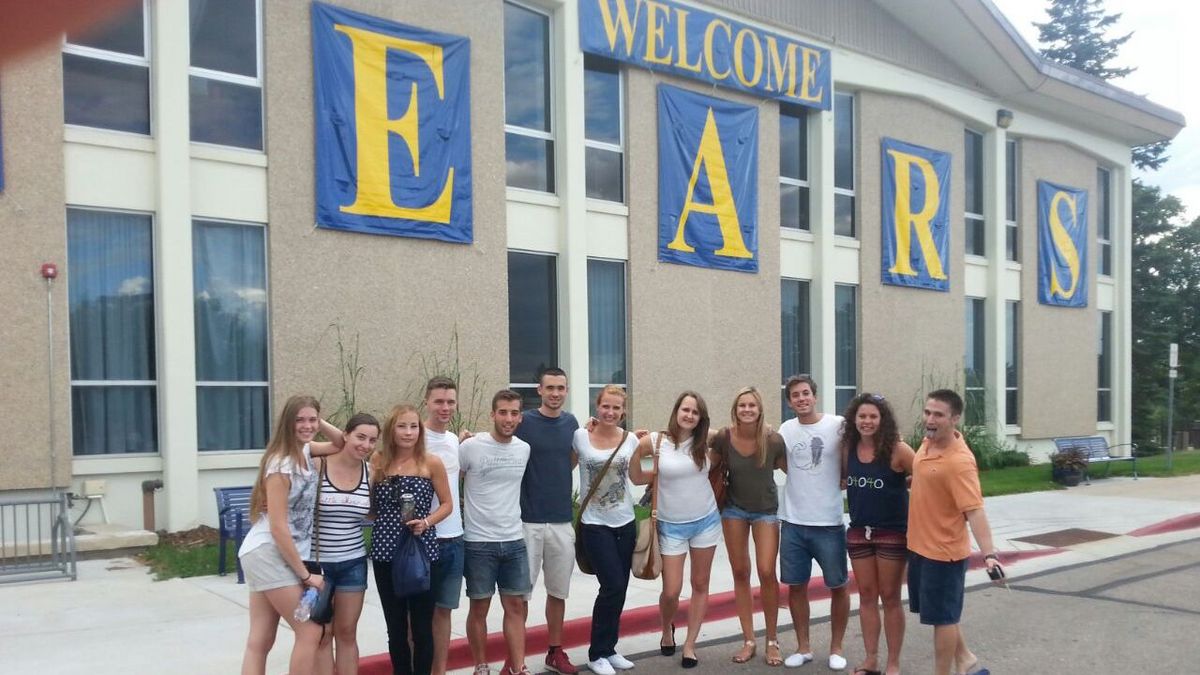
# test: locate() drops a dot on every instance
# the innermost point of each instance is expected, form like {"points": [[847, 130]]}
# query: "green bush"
{"points": [[991, 451]]}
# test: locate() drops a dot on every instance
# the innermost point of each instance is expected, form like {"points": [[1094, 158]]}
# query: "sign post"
{"points": [[1172, 373]]}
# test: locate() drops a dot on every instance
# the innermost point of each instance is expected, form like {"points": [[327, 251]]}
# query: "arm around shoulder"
{"points": [[645, 448]]}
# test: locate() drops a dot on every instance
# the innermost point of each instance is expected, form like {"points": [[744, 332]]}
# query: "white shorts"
{"points": [[551, 547], [266, 569]]}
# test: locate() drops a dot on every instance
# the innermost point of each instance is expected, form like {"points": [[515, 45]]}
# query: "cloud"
{"points": [[138, 285]]}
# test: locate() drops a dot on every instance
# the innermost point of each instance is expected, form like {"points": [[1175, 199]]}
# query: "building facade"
{"points": [[169, 163]]}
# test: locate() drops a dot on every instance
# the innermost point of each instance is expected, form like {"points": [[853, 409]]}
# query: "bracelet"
{"points": [[306, 577], [992, 556]]}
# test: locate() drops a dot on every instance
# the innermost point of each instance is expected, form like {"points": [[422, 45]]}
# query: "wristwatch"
{"points": [[992, 556]]}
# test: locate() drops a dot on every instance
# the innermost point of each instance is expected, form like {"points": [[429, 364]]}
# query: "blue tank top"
{"points": [[878, 496]]}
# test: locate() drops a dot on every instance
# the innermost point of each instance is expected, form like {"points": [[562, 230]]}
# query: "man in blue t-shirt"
{"points": [[546, 505]]}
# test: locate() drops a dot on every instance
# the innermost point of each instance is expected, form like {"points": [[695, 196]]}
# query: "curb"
{"points": [[1186, 522]]}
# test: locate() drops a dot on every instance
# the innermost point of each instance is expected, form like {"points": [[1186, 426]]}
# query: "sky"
{"points": [[1163, 43]]}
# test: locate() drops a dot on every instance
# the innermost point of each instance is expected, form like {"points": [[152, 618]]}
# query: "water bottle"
{"points": [[408, 507], [304, 609]]}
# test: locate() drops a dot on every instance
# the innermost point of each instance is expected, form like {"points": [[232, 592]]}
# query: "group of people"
{"points": [[312, 498]]}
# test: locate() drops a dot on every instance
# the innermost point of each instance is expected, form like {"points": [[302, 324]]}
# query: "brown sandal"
{"points": [[777, 659], [739, 658]]}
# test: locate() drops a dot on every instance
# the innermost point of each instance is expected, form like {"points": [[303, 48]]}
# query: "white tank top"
{"points": [[684, 493]]}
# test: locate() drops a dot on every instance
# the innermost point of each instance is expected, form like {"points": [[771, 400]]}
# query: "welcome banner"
{"points": [[707, 181], [393, 127], [915, 216], [690, 42], [1062, 245]]}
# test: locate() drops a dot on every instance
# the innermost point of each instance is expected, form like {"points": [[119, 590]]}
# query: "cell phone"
{"points": [[996, 573]]}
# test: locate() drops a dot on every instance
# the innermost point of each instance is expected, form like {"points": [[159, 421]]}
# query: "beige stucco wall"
{"points": [[1058, 344], [404, 298], [33, 220], [910, 340], [713, 331]]}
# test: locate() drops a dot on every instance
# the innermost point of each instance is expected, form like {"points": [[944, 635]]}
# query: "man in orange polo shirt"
{"points": [[945, 499]]}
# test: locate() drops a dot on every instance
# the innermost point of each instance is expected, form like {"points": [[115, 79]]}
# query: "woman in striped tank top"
{"points": [[344, 500]]}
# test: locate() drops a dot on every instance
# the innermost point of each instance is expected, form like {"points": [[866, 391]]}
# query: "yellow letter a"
{"points": [[712, 159], [905, 221]]}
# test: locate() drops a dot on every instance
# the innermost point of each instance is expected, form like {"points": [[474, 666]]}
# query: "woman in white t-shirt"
{"points": [[280, 539], [688, 520], [607, 527]]}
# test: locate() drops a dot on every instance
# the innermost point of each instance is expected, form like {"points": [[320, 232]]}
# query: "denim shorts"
{"points": [[446, 574], [677, 538], [348, 576], [492, 565], [800, 545], [732, 512], [935, 589]]}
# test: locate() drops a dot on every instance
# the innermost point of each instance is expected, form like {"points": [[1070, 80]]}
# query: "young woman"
{"points": [[688, 520], [401, 468], [344, 500], [877, 466], [607, 525], [280, 539], [750, 455]]}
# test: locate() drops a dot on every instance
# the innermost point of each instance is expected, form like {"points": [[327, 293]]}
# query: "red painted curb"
{"points": [[1185, 522], [637, 621]]}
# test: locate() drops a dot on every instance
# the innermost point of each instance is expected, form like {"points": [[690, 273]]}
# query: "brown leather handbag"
{"points": [[647, 559]]}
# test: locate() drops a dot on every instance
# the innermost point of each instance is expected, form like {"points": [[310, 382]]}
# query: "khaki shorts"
{"points": [[266, 570], [551, 547]]}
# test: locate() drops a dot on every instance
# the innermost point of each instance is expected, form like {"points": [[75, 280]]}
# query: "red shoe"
{"points": [[558, 662]]}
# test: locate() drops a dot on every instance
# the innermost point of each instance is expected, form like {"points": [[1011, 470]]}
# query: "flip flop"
{"points": [[864, 671]]}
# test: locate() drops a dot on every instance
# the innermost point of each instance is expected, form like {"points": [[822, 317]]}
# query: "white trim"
{"points": [[607, 207], [95, 465], [114, 383], [531, 133], [107, 138], [235, 383], [216, 460], [528, 196], [106, 55]]}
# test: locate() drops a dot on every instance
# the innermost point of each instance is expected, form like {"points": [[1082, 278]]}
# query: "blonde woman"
{"points": [[401, 468], [280, 539], [751, 454]]}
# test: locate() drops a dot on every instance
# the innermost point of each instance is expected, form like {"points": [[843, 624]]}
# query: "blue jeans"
{"points": [[492, 565], [446, 574], [348, 576], [610, 550], [732, 512], [799, 545]]}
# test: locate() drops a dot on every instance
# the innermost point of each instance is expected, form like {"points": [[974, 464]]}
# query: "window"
{"points": [[1012, 236], [974, 200], [974, 363], [226, 75], [845, 343], [528, 135], [232, 383], [1104, 220], [114, 401], [106, 74], [603, 129], [796, 326], [843, 165], [532, 321], [606, 325], [1104, 370], [1012, 347], [793, 168]]}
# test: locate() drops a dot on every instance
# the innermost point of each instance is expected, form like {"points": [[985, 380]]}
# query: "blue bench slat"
{"points": [[1096, 449], [233, 518]]}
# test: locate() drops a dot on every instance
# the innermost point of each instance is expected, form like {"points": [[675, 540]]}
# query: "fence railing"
{"points": [[37, 539]]}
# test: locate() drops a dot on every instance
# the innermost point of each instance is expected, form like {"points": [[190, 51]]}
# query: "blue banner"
{"points": [[1062, 245], [915, 216], [690, 42], [707, 181], [393, 127]]}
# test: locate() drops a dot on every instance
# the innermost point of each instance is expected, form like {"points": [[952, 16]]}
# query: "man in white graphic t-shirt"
{"points": [[811, 510], [446, 574]]}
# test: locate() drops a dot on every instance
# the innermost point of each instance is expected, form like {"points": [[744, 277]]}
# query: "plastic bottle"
{"points": [[304, 609]]}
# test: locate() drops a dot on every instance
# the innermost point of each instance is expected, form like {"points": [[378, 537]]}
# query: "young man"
{"points": [[495, 558], [945, 499], [546, 505], [811, 511], [446, 575]]}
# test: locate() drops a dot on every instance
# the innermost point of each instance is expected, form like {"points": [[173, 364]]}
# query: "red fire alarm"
{"points": [[49, 271]]}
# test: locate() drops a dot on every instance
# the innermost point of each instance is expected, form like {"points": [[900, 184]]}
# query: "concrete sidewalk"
{"points": [[116, 619]]}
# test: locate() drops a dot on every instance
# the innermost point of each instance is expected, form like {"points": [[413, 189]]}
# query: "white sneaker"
{"points": [[620, 662], [601, 666], [837, 662], [796, 660]]}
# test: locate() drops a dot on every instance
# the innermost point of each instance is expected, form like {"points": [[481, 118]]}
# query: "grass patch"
{"points": [[1015, 480], [170, 560]]}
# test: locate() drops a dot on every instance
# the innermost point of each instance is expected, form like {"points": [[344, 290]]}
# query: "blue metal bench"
{"points": [[1096, 449], [233, 518]]}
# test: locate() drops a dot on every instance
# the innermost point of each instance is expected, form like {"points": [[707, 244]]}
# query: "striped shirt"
{"points": [[338, 534]]}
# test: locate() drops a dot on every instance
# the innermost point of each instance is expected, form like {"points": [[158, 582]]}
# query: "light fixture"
{"points": [[1004, 118]]}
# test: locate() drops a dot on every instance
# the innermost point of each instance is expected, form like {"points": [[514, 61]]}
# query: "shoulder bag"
{"points": [[581, 557], [322, 610], [411, 568], [647, 560]]}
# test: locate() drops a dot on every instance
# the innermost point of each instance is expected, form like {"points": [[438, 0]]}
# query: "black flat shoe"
{"points": [[668, 650], [689, 662]]}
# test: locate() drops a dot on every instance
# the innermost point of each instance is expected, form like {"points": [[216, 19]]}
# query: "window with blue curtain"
{"points": [[114, 399], [1012, 355], [106, 74], [606, 325], [232, 381], [225, 84], [528, 108], [843, 166], [974, 362], [796, 337], [532, 321], [845, 320]]}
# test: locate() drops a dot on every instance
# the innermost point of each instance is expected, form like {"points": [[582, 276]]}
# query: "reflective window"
{"points": [[1104, 220], [529, 135], [607, 332], [793, 167], [1012, 346], [973, 168], [1012, 236], [106, 75], [795, 330], [232, 381], [845, 338], [843, 165], [532, 321], [1104, 370], [603, 127], [114, 401], [974, 363], [225, 79]]}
